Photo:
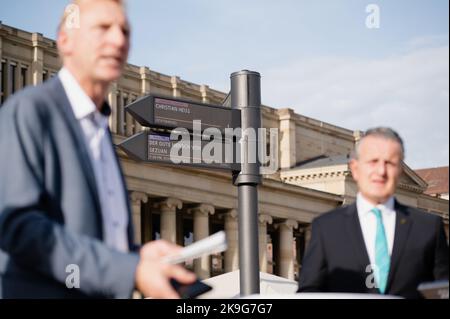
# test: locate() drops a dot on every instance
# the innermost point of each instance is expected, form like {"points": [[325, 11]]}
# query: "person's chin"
{"points": [[380, 197], [110, 75], [378, 193]]}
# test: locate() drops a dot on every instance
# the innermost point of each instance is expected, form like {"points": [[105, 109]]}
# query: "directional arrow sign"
{"points": [[166, 112], [191, 151]]}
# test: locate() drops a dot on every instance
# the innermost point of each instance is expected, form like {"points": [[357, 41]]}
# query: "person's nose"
{"points": [[118, 37], [381, 168]]}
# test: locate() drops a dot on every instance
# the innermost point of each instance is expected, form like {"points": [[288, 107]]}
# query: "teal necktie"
{"points": [[382, 259]]}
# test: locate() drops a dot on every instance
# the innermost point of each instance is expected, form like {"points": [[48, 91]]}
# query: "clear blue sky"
{"points": [[317, 57]]}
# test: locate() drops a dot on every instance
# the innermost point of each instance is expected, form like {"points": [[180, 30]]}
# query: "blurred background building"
{"points": [[184, 204]]}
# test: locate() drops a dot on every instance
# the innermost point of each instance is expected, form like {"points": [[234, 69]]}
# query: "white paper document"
{"points": [[210, 245]]}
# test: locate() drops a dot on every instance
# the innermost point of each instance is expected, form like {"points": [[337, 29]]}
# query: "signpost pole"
{"points": [[246, 96], [170, 113]]}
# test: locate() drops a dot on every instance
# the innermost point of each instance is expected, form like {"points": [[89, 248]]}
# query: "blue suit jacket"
{"points": [[49, 207]]}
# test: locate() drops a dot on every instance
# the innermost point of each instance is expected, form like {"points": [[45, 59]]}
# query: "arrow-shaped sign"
{"points": [[152, 146], [166, 112]]}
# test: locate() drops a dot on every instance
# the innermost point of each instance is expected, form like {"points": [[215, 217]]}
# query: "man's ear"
{"points": [[64, 42], [354, 168]]}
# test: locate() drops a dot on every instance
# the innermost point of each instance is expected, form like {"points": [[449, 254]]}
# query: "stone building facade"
{"points": [[183, 204]]}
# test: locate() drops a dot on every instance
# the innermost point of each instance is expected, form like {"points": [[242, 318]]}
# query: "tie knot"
{"points": [[377, 212]]}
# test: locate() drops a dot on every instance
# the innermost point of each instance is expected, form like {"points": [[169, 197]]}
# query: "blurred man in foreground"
{"points": [[63, 202]]}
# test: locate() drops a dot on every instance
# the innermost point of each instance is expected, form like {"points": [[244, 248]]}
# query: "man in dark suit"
{"points": [[65, 224], [376, 245]]}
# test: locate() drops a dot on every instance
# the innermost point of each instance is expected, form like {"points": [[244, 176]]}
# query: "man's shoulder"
{"points": [[417, 214], [335, 215], [31, 101]]}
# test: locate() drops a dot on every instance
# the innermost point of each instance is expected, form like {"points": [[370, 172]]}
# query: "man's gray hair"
{"points": [[383, 132]]}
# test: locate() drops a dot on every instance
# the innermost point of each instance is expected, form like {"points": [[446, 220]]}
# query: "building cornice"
{"points": [[316, 176], [307, 122]]}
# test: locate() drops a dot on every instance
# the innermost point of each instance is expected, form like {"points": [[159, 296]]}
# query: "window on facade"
{"points": [[12, 77], [45, 75], [188, 237], [3, 82], [117, 112], [118, 99], [217, 260], [156, 222], [124, 113], [23, 75], [133, 122]]}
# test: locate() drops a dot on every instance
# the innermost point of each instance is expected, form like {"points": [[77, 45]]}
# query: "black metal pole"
{"points": [[246, 96]]}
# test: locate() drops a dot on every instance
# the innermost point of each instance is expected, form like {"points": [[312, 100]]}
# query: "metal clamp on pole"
{"points": [[246, 96]]}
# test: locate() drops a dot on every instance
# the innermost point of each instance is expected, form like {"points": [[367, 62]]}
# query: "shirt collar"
{"points": [[364, 206], [81, 103]]}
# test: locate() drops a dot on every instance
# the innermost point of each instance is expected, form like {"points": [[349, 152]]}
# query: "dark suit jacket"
{"points": [[336, 258], [49, 207]]}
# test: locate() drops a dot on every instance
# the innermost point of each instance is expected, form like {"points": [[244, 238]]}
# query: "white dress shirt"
{"points": [[109, 184], [368, 222]]}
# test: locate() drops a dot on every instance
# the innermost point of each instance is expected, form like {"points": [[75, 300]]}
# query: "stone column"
{"points": [[288, 157], [202, 265], [145, 88], [286, 242], [37, 66], [231, 230], [145, 80], [357, 135], [112, 100], [168, 210], [176, 86], [264, 219], [136, 198], [204, 92]]}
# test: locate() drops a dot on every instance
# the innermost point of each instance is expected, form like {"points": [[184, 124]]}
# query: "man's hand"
{"points": [[153, 275]]}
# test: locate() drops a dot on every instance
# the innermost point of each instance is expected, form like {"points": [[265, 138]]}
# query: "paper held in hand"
{"points": [[210, 245]]}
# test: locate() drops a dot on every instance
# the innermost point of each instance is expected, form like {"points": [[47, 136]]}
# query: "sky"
{"points": [[335, 61]]}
